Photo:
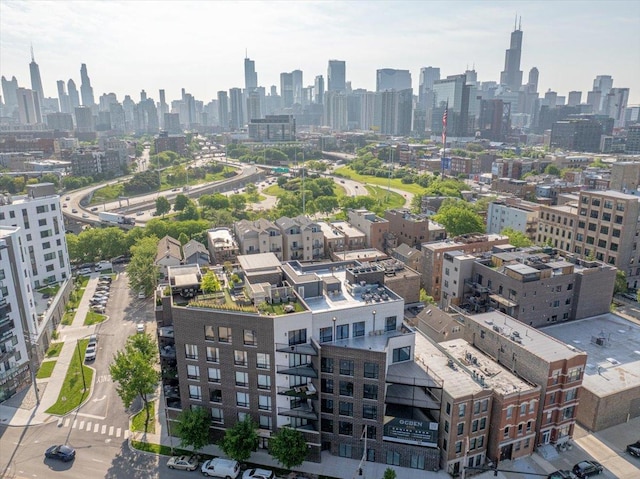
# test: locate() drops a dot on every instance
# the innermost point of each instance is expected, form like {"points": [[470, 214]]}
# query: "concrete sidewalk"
{"points": [[28, 413]]}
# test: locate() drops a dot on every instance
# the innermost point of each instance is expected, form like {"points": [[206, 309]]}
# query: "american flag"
{"points": [[444, 125]]}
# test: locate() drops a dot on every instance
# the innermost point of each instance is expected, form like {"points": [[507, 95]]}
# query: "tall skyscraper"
{"points": [[512, 75], [28, 106], [10, 92], [250, 75], [223, 110], [36, 81], [163, 109], [237, 108], [85, 87], [63, 98], [318, 90], [453, 92], [286, 89], [74, 97], [391, 79], [336, 76], [532, 84], [575, 97], [296, 79]]}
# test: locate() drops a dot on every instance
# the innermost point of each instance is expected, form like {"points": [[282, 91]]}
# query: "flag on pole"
{"points": [[444, 125]]}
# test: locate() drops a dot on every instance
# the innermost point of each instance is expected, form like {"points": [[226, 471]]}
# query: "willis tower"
{"points": [[512, 75]]}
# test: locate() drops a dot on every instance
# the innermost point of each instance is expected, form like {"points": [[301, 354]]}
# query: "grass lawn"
{"points": [[388, 199], [107, 193], [46, 369], [73, 393], [93, 318], [374, 180], [273, 190], [159, 449], [137, 423], [74, 300], [54, 350], [50, 290]]}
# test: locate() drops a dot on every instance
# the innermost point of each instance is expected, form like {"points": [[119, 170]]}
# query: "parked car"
{"points": [[90, 353], [95, 208], [634, 449], [84, 272], [258, 474], [85, 215], [188, 463], [74, 210], [561, 475], [141, 295], [587, 468], [219, 467], [140, 328], [61, 452], [98, 308], [93, 340], [105, 277], [140, 213]]}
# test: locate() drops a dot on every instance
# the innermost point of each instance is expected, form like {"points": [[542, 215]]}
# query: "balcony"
{"points": [[6, 326], [5, 352], [304, 411], [305, 348], [307, 391], [305, 370], [168, 352]]}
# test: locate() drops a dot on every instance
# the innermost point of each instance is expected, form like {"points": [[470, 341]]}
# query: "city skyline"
{"points": [[179, 51]]}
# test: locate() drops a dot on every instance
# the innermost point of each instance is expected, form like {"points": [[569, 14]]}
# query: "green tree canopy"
{"points": [[217, 201], [240, 440], [620, 286], [238, 202], [288, 447], [552, 170], [162, 205], [133, 369], [458, 217], [142, 270], [181, 202], [192, 427], [516, 238], [210, 283], [389, 474]]}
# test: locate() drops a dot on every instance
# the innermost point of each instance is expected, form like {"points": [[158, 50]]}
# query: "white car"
{"points": [[90, 353], [258, 474], [140, 328], [219, 467], [85, 272]]}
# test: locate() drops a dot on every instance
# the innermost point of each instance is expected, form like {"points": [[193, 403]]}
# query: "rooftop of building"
{"points": [[331, 231], [365, 254], [458, 241], [349, 230], [259, 262], [612, 344], [533, 340], [611, 194]]}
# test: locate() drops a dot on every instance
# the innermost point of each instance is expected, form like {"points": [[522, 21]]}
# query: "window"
{"points": [[506, 432], [370, 391], [476, 407], [402, 354], [326, 365], [346, 367], [483, 423], [448, 408], [346, 388], [462, 410], [250, 338], [297, 336], [326, 405], [327, 385], [342, 331], [390, 323], [344, 450], [393, 458], [574, 374], [327, 425], [242, 416], [571, 395], [240, 358], [568, 412], [480, 442], [208, 333], [193, 371], [242, 399], [263, 361], [371, 370], [242, 378], [213, 354], [458, 447], [264, 402], [345, 428], [509, 412], [214, 375], [370, 411], [460, 428], [264, 381], [224, 334], [358, 329], [326, 335], [215, 395], [195, 392], [191, 351], [217, 415], [523, 409], [474, 426], [345, 408], [265, 422]]}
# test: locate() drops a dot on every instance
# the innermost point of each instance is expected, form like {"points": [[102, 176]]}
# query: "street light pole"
{"points": [[84, 382]]}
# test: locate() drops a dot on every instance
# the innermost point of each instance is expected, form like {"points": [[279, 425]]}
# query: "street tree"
{"points": [[181, 202], [620, 285], [142, 271], [192, 427], [516, 238], [217, 201], [190, 212], [133, 369], [162, 206], [458, 218], [389, 474], [288, 447], [240, 440], [237, 202]]}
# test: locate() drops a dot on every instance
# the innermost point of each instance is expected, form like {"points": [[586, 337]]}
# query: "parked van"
{"points": [[219, 467]]}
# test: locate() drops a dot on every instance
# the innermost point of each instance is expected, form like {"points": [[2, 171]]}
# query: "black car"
{"points": [[61, 452], [634, 449], [587, 468]]}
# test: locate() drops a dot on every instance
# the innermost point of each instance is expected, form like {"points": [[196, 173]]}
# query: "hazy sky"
{"points": [[133, 45]]}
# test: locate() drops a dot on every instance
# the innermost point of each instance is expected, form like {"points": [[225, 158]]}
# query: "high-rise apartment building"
{"points": [[532, 83], [63, 97], [452, 92], [336, 76], [396, 108], [28, 106], [286, 89], [296, 80], [512, 75], [318, 90], [74, 96], [223, 110], [391, 79], [85, 87], [577, 134], [237, 108], [575, 98]]}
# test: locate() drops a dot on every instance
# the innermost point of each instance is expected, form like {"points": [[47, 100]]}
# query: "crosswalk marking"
{"points": [[66, 422], [81, 424], [89, 426], [75, 422], [111, 431], [118, 432], [126, 434], [104, 429], [95, 428]]}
